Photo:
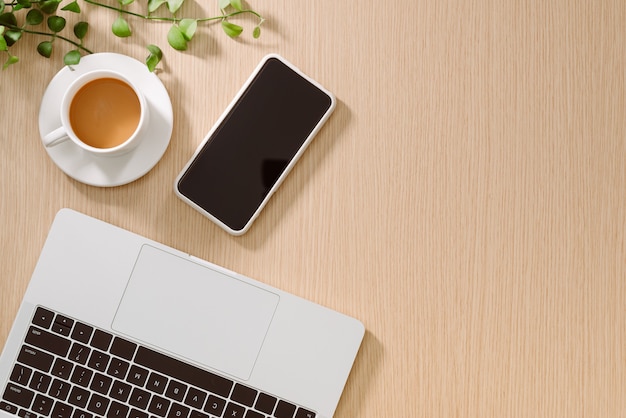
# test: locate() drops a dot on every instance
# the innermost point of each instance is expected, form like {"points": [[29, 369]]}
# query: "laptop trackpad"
{"points": [[195, 312]]}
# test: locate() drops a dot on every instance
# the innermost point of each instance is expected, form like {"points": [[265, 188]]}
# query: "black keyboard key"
{"points": [[61, 329], [98, 361], [40, 382], [284, 410], [61, 410], [79, 413], [176, 391], [183, 371], [42, 405], [159, 406], [120, 391], [35, 358], [26, 414], [178, 411], [64, 321], [43, 317], [20, 374], [265, 403], [100, 384], [137, 375], [79, 353], [101, 340], [78, 397], [303, 413], [197, 414], [62, 368], [59, 389], [7, 407], [18, 395], [243, 394], [195, 398], [123, 348], [117, 410], [82, 332], [81, 376], [234, 411], [98, 404], [156, 383], [47, 341], [254, 414], [215, 405], [118, 368], [135, 413], [139, 398]]}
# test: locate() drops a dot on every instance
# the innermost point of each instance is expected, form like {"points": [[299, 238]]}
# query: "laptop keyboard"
{"points": [[68, 369]]}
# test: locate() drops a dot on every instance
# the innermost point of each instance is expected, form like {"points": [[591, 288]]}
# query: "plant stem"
{"points": [[169, 19], [15, 3], [119, 9], [52, 35], [226, 16]]}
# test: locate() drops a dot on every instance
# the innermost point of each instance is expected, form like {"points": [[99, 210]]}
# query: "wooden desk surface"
{"points": [[466, 201]]}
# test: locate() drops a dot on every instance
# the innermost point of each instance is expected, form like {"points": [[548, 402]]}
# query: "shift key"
{"points": [[18, 395], [48, 341]]}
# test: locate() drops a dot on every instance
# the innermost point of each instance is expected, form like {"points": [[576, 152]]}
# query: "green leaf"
{"points": [[49, 6], [120, 28], [80, 29], [176, 39], [151, 62], [153, 5], [231, 29], [72, 7], [3, 44], [8, 19], [72, 57], [56, 23], [45, 49], [256, 32], [174, 5], [224, 4], [12, 60], [155, 50], [22, 4], [154, 57], [236, 5], [125, 2], [34, 17], [12, 36], [188, 28]]}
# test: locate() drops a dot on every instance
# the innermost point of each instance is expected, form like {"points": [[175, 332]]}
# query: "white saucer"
{"points": [[118, 170]]}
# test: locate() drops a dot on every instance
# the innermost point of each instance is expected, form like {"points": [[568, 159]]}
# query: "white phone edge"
{"points": [[296, 157]]}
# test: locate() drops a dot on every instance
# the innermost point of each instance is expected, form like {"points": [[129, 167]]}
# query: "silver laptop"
{"points": [[115, 325]]}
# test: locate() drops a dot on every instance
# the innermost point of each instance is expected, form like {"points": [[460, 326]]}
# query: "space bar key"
{"points": [[183, 371]]}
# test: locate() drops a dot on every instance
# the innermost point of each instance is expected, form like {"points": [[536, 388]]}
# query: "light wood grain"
{"points": [[466, 201]]}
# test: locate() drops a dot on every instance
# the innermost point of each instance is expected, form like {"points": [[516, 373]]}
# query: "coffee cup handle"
{"points": [[55, 137]]}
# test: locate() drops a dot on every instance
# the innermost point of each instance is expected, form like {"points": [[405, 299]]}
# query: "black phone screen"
{"points": [[254, 144]]}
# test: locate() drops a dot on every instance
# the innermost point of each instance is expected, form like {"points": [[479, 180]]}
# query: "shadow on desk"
{"points": [[364, 371]]}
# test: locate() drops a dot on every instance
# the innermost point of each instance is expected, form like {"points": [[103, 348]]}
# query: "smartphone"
{"points": [[254, 144]]}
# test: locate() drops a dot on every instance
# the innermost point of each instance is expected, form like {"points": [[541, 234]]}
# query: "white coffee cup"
{"points": [[102, 112]]}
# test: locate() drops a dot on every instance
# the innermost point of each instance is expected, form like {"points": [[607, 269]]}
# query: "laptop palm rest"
{"points": [[201, 314]]}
